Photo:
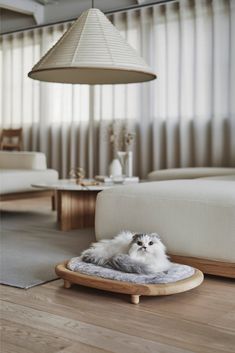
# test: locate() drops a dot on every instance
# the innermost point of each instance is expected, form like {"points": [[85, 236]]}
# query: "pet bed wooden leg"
{"points": [[135, 299], [67, 284]]}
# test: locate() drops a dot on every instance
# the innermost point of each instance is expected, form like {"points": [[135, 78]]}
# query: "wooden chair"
{"points": [[7, 139]]}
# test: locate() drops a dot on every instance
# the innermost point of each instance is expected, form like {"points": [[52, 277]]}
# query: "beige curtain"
{"points": [[184, 118]]}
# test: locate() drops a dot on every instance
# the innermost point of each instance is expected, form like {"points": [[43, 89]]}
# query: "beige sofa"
{"points": [[189, 173], [196, 218], [19, 170]]}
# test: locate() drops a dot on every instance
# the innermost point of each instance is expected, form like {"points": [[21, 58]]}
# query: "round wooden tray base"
{"points": [[133, 289]]}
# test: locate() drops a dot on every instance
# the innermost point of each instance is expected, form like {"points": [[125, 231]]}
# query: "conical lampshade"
{"points": [[92, 51]]}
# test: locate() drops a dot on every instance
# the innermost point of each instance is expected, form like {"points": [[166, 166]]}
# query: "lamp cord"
{"points": [[92, 4]]}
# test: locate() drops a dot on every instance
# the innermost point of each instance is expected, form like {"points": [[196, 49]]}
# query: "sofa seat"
{"points": [[20, 180], [189, 173], [196, 218]]}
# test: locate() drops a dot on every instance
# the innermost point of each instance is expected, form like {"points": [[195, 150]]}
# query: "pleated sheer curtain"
{"points": [[184, 118]]}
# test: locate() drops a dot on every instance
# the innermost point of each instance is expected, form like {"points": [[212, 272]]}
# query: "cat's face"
{"points": [[143, 244]]}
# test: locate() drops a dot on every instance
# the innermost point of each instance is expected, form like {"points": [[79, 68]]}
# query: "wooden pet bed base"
{"points": [[135, 290]]}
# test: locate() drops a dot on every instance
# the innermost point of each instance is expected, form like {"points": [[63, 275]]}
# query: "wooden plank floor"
{"points": [[51, 319]]}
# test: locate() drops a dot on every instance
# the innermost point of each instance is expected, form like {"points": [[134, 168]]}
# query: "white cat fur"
{"points": [[152, 257]]}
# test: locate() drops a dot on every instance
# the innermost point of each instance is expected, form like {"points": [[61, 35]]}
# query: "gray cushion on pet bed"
{"points": [[176, 273]]}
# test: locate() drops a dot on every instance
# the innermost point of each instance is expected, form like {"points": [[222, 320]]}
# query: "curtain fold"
{"points": [[184, 118]]}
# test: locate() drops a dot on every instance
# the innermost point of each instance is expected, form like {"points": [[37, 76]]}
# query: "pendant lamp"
{"points": [[92, 51]]}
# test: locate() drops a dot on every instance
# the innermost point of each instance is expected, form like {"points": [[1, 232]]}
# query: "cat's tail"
{"points": [[125, 264], [119, 262]]}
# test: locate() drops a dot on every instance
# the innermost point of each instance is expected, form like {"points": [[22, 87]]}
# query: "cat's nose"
{"points": [[144, 247]]}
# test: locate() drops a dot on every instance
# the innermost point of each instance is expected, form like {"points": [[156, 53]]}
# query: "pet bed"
{"points": [[179, 278]]}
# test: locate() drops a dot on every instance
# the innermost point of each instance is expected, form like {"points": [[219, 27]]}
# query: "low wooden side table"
{"points": [[75, 204]]}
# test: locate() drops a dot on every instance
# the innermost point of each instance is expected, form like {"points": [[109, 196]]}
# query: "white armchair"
{"points": [[19, 170]]}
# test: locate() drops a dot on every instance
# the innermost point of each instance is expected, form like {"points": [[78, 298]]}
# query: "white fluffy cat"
{"points": [[130, 252]]}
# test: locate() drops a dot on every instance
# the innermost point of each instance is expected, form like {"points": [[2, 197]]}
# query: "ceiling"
{"points": [[21, 14]]}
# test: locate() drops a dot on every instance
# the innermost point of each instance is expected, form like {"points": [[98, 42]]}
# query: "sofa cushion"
{"points": [[22, 160], [19, 180], [188, 173], [194, 217]]}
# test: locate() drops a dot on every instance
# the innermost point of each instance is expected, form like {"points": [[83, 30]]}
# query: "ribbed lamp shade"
{"points": [[92, 52]]}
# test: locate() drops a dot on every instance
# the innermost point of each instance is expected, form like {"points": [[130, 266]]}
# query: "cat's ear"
{"points": [[155, 235], [135, 236]]}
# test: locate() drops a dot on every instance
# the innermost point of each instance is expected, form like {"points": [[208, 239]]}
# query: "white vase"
{"points": [[115, 168], [129, 164], [126, 160]]}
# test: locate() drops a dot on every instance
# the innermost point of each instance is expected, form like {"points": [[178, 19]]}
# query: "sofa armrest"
{"points": [[23, 160]]}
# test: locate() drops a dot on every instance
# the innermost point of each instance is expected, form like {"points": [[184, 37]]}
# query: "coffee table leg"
{"points": [[65, 210], [76, 209]]}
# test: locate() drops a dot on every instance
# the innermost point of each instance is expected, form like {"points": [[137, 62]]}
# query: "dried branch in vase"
{"points": [[120, 138], [129, 138]]}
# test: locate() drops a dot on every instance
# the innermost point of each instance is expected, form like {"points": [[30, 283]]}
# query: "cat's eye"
{"points": [[139, 243], [151, 243]]}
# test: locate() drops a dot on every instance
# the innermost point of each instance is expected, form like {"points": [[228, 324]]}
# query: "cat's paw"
{"points": [[88, 257]]}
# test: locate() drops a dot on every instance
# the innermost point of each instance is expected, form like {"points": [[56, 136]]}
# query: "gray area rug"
{"points": [[31, 246]]}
